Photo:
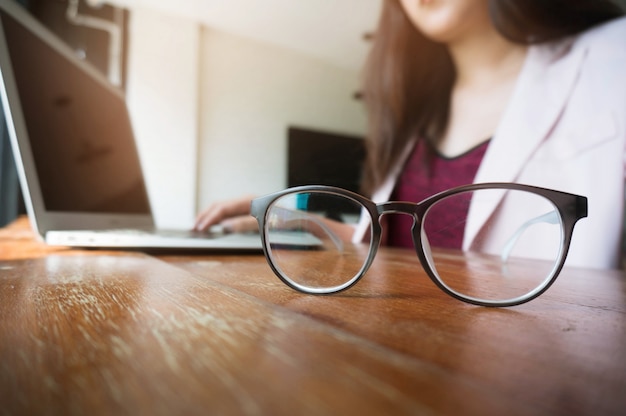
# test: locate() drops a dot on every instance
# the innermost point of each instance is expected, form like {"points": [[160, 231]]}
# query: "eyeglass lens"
{"points": [[305, 244], [496, 266], [303, 233]]}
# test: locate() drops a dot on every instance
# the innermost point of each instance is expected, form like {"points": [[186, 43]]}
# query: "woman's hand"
{"points": [[233, 215]]}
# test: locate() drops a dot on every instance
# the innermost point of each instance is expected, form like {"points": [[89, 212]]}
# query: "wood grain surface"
{"points": [[95, 332]]}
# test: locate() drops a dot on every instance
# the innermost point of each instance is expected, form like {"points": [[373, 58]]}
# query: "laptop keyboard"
{"points": [[164, 233]]}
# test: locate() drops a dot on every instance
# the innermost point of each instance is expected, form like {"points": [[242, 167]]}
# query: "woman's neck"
{"points": [[486, 58], [487, 69]]}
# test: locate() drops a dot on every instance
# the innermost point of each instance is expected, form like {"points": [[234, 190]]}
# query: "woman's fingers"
{"points": [[218, 212], [243, 224]]}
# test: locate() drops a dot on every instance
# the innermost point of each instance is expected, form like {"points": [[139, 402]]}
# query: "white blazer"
{"points": [[565, 129]]}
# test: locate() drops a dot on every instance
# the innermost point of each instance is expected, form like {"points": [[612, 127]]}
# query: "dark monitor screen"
{"points": [[324, 158]]}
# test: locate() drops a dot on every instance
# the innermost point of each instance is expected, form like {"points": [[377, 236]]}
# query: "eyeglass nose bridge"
{"points": [[392, 207], [406, 208], [421, 245], [414, 210]]}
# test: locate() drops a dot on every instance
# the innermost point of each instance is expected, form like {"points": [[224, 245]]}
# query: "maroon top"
{"points": [[419, 181]]}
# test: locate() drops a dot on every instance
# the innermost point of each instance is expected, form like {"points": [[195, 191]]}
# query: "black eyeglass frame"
{"points": [[570, 207]]}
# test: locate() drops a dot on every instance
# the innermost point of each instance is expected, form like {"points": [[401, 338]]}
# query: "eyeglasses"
{"points": [[516, 238]]}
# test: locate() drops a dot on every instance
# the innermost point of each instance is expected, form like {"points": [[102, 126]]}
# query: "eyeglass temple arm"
{"points": [[297, 215], [551, 217]]}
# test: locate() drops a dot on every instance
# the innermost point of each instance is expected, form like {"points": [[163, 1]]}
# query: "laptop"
{"points": [[74, 148]]}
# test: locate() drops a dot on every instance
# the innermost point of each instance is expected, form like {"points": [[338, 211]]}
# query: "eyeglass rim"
{"points": [[571, 208], [259, 209]]}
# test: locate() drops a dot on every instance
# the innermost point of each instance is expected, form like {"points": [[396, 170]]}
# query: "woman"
{"points": [[528, 91]]}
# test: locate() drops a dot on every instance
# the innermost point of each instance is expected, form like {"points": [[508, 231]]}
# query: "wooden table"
{"points": [[95, 332]]}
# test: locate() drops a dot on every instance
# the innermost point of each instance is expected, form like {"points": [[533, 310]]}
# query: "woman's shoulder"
{"points": [[611, 33], [603, 44], [605, 41]]}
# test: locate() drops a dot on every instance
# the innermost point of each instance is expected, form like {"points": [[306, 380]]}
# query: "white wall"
{"points": [[211, 110], [162, 94], [250, 94]]}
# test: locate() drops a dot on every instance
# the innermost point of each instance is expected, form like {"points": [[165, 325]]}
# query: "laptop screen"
{"points": [[78, 128]]}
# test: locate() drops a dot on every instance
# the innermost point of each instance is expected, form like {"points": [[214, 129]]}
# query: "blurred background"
{"points": [[226, 97], [219, 89]]}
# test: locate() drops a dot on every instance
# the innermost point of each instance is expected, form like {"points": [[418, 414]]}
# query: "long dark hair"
{"points": [[408, 78]]}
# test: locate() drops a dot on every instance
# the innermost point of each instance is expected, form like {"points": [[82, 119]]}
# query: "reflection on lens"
{"points": [[305, 240], [496, 266]]}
